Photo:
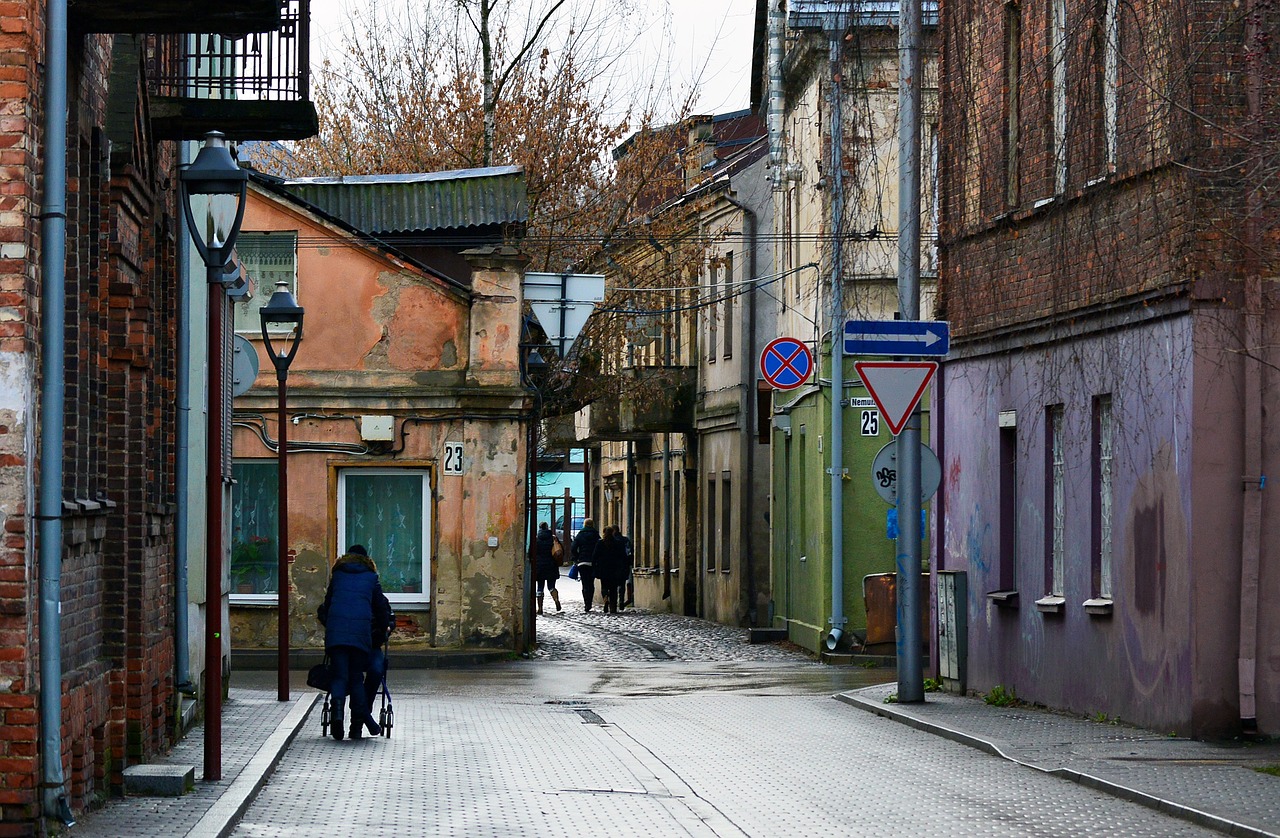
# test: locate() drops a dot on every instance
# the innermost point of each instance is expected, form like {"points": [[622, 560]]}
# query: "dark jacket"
{"points": [[584, 545], [547, 563], [353, 605], [611, 561]]}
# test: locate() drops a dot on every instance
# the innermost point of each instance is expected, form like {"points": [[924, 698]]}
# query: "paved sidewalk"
{"points": [[1209, 784], [256, 730]]}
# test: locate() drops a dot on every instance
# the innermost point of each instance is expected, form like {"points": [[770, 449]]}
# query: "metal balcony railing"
{"points": [[274, 66]]}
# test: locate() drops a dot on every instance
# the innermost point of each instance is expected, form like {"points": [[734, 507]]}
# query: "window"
{"points": [[1110, 79], [728, 305], [254, 528], [1102, 497], [1058, 60], [726, 519], [712, 522], [1012, 113], [713, 313], [268, 258], [387, 511], [1008, 502], [1055, 503], [659, 519]]}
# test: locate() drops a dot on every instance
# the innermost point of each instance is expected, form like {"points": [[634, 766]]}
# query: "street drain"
{"points": [[567, 702], [590, 717]]}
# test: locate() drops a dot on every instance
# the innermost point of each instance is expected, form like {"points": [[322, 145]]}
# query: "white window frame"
{"points": [[427, 497], [1105, 428], [1058, 477], [1058, 60], [1111, 81]]}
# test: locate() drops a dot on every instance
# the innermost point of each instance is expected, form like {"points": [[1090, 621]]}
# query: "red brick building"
{"points": [[1107, 239], [88, 580]]}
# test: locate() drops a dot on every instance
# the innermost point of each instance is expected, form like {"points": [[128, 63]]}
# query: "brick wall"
{"points": [[1165, 216], [118, 448]]}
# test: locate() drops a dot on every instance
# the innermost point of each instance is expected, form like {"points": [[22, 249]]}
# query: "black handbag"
{"points": [[320, 676]]}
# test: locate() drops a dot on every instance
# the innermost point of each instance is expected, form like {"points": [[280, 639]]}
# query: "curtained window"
{"points": [[386, 510], [254, 554]]}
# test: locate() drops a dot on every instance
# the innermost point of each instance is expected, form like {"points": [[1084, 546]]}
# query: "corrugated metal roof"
{"points": [[420, 202], [842, 14]]}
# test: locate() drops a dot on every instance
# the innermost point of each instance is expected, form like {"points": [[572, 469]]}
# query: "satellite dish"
{"points": [[244, 366]]}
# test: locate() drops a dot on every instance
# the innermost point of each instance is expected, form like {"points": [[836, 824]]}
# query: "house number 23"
{"points": [[453, 458]]}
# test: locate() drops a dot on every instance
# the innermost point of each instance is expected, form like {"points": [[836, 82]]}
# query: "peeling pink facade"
{"points": [[425, 363]]}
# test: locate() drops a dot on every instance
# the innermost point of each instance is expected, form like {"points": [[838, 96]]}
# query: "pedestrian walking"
{"points": [[584, 549], [546, 565], [353, 605], [627, 595], [610, 567]]}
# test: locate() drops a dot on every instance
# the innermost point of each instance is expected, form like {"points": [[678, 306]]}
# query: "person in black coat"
{"points": [[546, 567], [611, 568], [584, 549], [353, 605]]}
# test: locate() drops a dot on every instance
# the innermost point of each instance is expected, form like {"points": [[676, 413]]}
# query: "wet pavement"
{"points": [[642, 723]]}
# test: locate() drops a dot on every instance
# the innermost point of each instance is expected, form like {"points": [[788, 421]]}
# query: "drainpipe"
{"points": [[776, 30], [749, 439], [837, 351], [1254, 480], [182, 465], [53, 300]]}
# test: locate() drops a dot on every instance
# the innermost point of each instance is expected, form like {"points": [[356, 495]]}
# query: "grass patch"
{"points": [[1000, 696], [1273, 770]]}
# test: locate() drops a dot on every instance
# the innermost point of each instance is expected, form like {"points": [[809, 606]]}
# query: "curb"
{"points": [[231, 805], [1151, 801]]}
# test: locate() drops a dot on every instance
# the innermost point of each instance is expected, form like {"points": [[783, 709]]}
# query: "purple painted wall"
{"points": [[1165, 656]]}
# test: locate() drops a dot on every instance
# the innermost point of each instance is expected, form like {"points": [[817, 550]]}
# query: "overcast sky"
{"points": [[722, 27]]}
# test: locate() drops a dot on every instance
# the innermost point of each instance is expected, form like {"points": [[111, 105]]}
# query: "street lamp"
{"points": [[282, 316], [215, 175]]}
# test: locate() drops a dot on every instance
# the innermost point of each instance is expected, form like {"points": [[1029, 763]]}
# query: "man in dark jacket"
{"points": [[353, 605], [584, 549]]}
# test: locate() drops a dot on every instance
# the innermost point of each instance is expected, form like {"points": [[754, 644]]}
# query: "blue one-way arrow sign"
{"points": [[897, 337]]}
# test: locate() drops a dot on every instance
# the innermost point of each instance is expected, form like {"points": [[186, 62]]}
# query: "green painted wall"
{"points": [[801, 514]]}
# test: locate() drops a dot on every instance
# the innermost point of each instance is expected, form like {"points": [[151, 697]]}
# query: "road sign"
{"points": [[884, 473], [897, 387], [562, 303], [786, 363], [897, 337]]}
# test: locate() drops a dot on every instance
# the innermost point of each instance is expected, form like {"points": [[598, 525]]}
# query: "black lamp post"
{"points": [[283, 316], [216, 175], [533, 368]]}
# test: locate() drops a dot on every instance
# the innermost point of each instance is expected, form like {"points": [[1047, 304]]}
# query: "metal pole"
{"points": [[910, 663], [282, 522], [213, 523], [837, 351]]}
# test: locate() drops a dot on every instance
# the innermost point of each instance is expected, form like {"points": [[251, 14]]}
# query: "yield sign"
{"points": [[786, 363], [896, 387]]}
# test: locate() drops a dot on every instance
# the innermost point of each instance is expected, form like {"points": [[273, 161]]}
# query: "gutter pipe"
{"points": [[182, 466], [837, 470], [53, 301]]}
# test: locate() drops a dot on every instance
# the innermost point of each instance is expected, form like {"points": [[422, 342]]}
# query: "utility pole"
{"points": [[837, 470], [910, 663]]}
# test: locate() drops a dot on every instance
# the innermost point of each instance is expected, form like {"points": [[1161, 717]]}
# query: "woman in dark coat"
{"points": [[611, 568], [584, 550], [547, 566], [352, 606]]}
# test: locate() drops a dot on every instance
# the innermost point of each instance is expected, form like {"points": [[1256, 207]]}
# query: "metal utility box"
{"points": [[953, 628], [377, 428]]}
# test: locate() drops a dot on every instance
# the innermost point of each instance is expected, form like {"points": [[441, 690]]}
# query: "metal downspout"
{"points": [[837, 350], [182, 465], [1254, 480], [749, 439], [53, 300], [776, 28]]}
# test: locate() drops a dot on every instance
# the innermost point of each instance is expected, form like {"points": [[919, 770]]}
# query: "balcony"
{"points": [[127, 17], [251, 86], [657, 400], [600, 424]]}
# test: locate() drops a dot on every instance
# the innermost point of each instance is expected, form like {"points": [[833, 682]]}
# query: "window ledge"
{"points": [[1044, 202], [1004, 599], [1098, 607], [1051, 604]]}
